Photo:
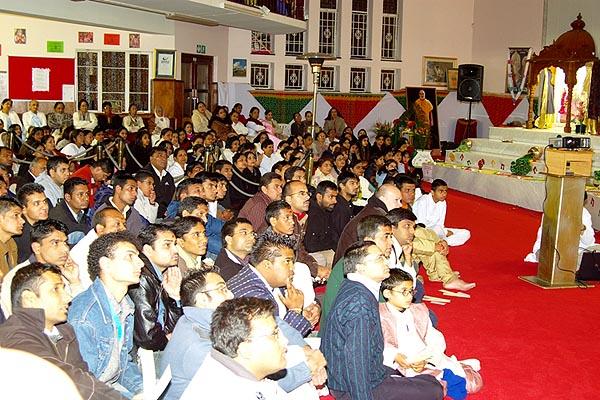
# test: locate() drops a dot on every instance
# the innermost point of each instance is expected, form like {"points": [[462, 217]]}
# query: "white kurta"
{"points": [[586, 239], [433, 216], [30, 119], [87, 121]]}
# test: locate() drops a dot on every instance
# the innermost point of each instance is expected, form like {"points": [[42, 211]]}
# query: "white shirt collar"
{"points": [[160, 174], [369, 283], [110, 199]]}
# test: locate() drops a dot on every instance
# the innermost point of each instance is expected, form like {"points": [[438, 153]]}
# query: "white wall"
{"points": [[561, 13], [499, 25]]}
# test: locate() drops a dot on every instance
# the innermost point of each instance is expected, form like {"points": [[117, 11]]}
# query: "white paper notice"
{"points": [[68, 93], [40, 79], [3, 84]]}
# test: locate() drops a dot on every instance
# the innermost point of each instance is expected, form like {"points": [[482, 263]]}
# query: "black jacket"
{"points": [[61, 212], [319, 232], [165, 189], [23, 242], [342, 214], [227, 267], [148, 332], [24, 331]]}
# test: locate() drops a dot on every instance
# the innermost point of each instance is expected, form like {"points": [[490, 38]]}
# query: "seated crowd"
{"points": [[209, 247]]}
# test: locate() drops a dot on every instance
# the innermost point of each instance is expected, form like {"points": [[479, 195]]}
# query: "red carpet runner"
{"points": [[532, 343]]}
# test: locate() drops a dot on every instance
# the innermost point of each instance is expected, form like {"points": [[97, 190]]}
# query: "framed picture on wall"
{"points": [[165, 64], [435, 70], [240, 67], [453, 79], [515, 72]]}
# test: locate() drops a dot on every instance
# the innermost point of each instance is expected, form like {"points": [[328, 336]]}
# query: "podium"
{"points": [[561, 226]]}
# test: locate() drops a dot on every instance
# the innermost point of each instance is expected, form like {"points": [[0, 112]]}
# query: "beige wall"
{"points": [[434, 28], [499, 25]]}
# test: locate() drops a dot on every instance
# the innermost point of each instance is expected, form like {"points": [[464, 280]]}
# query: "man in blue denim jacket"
{"points": [[102, 315], [202, 291]]}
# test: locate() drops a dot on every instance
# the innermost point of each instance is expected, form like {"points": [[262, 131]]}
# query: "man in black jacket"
{"points": [[37, 326], [164, 185], [35, 208], [343, 211], [71, 210], [319, 239], [156, 298]]}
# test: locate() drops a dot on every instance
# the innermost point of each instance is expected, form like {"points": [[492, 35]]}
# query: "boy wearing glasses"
{"points": [[414, 347]]}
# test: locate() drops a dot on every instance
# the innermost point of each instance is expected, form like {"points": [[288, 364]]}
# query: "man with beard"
{"points": [[319, 240], [238, 240]]}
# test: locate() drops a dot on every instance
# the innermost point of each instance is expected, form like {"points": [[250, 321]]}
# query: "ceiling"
{"points": [[213, 13]]}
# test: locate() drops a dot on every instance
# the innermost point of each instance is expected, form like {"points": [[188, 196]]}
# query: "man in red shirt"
{"points": [[95, 174]]}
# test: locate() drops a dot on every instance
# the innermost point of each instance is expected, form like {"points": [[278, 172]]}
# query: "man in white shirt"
{"points": [[430, 210], [105, 221], [268, 159], [145, 203], [33, 117]]}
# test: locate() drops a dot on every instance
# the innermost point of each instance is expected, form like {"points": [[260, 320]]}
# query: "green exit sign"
{"points": [[201, 48]]}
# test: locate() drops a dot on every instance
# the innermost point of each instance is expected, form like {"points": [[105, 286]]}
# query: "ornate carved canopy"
{"points": [[572, 50]]}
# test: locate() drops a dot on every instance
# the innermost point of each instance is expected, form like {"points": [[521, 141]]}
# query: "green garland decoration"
{"points": [[522, 166]]}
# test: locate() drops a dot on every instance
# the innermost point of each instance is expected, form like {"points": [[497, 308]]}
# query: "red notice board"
{"points": [[62, 72]]}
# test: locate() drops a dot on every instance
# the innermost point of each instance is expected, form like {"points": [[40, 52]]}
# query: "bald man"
{"points": [[387, 197]]}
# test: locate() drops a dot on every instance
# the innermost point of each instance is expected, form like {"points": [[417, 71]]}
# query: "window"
{"points": [[390, 31], [327, 27], [261, 43], [388, 78], [327, 79], [358, 79], [260, 76], [294, 77], [123, 78], [294, 44], [358, 48]]}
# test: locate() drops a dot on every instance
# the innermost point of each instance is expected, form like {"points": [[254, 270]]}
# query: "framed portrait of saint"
{"points": [[422, 104], [515, 72]]}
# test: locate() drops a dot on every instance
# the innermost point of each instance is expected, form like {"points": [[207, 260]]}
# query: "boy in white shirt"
{"points": [[430, 210]]}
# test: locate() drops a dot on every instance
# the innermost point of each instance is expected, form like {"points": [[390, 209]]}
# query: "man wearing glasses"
{"points": [[246, 348], [201, 293], [353, 341], [238, 239]]}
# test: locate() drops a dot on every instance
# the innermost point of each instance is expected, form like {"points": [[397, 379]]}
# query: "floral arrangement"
{"points": [[383, 128], [407, 126]]}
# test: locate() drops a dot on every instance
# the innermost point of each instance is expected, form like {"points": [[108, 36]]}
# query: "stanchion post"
{"points": [[316, 61]]}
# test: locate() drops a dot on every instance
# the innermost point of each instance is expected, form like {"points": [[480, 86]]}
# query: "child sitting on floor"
{"points": [[430, 210], [413, 346]]}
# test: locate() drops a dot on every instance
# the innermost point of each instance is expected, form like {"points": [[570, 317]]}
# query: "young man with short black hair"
{"points": [[71, 210], [105, 343], [156, 298], [41, 302], [35, 205], [57, 172]]}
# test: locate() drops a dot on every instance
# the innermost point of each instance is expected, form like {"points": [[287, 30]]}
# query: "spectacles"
{"points": [[405, 292], [275, 334], [222, 287], [303, 193], [246, 233]]}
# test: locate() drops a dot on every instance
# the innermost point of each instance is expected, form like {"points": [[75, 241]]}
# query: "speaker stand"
{"points": [[469, 121]]}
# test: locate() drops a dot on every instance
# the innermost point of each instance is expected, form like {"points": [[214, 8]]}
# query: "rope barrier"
{"points": [[244, 179], [132, 156], [113, 161], [240, 190]]}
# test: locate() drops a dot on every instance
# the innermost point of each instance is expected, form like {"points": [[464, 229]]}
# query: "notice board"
{"points": [[22, 72]]}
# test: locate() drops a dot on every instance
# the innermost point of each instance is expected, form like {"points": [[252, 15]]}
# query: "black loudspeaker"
{"points": [[470, 82]]}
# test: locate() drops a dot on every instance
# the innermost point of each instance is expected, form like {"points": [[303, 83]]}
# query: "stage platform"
{"points": [[485, 169], [505, 145]]}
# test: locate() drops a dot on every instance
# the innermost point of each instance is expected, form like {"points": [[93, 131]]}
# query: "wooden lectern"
{"points": [[561, 227]]}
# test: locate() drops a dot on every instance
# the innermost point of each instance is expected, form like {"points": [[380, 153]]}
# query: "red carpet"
{"points": [[532, 343]]}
